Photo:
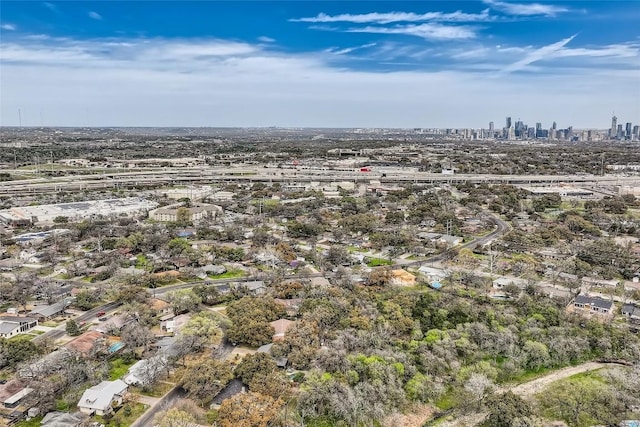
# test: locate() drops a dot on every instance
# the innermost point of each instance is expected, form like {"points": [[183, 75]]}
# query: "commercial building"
{"points": [[191, 193], [174, 213], [76, 211]]}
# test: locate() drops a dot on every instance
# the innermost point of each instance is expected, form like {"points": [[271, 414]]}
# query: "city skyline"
{"points": [[303, 64]]}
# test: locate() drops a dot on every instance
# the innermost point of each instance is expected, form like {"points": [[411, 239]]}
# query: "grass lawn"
{"points": [[22, 337], [230, 274], [62, 405], [158, 390], [50, 323], [33, 422], [124, 417], [142, 262], [118, 367], [378, 262]]}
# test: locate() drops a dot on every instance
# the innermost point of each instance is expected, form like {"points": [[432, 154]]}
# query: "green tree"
{"points": [[205, 380], [205, 326], [253, 333], [507, 410], [581, 403], [174, 417], [72, 328], [255, 364], [15, 351], [248, 410], [184, 300]]}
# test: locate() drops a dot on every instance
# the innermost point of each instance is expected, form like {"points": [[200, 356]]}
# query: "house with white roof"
{"points": [[100, 399]]}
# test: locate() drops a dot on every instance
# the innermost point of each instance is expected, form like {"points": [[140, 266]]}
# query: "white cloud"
{"points": [[625, 55], [159, 82], [265, 39], [615, 50], [52, 7], [350, 49], [8, 27], [95, 15], [425, 31], [544, 52], [526, 9], [389, 17]]}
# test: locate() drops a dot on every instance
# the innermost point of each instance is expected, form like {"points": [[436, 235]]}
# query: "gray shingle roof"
{"points": [[594, 301], [8, 327], [49, 310]]}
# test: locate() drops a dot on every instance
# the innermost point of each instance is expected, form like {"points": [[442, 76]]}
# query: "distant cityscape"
{"points": [[519, 130]]}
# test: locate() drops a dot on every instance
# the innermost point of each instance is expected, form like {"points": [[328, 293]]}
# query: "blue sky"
{"points": [[319, 63]]}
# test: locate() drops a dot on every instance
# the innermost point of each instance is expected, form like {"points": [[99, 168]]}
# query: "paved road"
{"points": [[501, 229], [161, 176], [59, 331], [165, 402]]}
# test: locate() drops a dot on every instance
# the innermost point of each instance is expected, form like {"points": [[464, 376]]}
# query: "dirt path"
{"points": [[526, 390], [535, 386]]}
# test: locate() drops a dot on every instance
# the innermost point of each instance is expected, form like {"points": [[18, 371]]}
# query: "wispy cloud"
{"points": [[526, 9], [95, 15], [628, 50], [426, 31], [538, 54], [390, 17], [8, 27], [265, 39], [52, 7], [350, 49], [204, 82]]}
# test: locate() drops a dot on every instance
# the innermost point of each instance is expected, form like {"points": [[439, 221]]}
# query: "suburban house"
{"points": [[291, 305], [172, 323], [433, 274], [116, 323], [593, 304], [631, 311], [138, 374], [256, 287], [46, 312], [599, 283], [280, 326], [234, 387], [13, 325], [15, 399], [160, 306], [450, 240], [86, 342], [101, 399], [402, 277], [501, 282], [281, 362], [62, 419]]}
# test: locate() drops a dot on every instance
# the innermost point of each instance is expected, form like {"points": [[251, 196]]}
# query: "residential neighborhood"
{"points": [[301, 295]]}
